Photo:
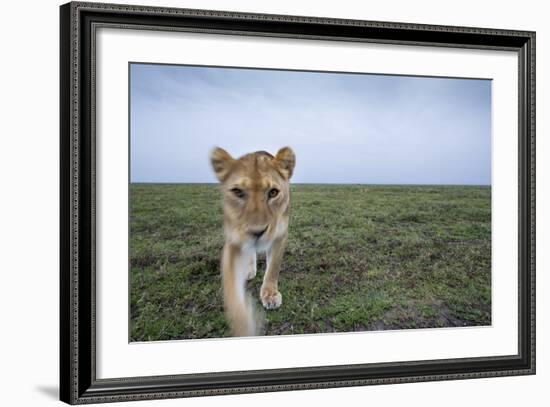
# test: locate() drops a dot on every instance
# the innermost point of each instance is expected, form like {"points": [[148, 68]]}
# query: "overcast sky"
{"points": [[344, 128]]}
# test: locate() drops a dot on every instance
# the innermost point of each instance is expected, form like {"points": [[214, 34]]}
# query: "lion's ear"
{"points": [[221, 162], [286, 160]]}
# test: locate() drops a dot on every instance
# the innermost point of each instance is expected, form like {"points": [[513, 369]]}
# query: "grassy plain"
{"points": [[360, 257]]}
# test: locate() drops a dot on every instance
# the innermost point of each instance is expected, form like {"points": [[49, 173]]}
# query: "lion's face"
{"points": [[256, 195]]}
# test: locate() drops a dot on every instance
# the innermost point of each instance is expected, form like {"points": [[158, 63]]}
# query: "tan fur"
{"points": [[255, 220]]}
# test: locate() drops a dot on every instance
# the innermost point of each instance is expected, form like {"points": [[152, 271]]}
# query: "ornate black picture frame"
{"points": [[78, 381]]}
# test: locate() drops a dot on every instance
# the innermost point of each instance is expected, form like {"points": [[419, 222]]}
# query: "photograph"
{"points": [[288, 202], [255, 201]]}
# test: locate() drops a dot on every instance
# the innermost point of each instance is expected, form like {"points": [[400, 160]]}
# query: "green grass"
{"points": [[358, 258]]}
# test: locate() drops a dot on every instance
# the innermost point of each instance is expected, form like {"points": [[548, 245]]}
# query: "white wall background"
{"points": [[29, 163]]}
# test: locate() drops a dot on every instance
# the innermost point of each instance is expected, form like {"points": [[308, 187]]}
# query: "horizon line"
{"points": [[314, 183]]}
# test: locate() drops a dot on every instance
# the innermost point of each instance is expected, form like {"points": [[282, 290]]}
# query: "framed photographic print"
{"points": [[256, 203]]}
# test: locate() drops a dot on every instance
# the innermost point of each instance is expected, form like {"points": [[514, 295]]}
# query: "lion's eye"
{"points": [[239, 193], [273, 192]]}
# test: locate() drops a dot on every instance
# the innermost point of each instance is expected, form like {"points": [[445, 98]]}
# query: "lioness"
{"points": [[256, 204]]}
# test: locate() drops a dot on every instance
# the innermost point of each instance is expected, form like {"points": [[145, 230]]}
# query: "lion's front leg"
{"points": [[238, 307], [269, 293]]}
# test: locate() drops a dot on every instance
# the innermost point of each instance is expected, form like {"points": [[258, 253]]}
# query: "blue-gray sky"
{"points": [[344, 128]]}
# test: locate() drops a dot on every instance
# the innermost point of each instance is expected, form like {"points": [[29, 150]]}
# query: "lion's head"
{"points": [[256, 194]]}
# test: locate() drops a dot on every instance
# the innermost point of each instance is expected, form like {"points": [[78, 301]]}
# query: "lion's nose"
{"points": [[258, 233]]}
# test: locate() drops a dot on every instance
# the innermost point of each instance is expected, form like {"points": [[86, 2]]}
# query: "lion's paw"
{"points": [[271, 298]]}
